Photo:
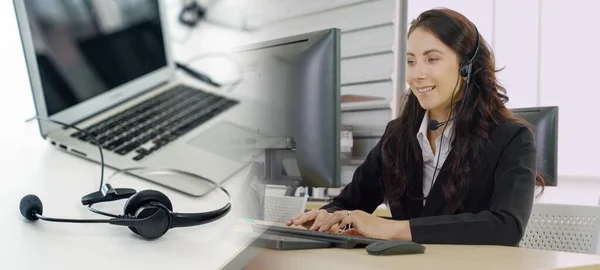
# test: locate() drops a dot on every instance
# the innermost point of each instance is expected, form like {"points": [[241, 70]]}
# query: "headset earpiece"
{"points": [[146, 203], [467, 66], [465, 69]]}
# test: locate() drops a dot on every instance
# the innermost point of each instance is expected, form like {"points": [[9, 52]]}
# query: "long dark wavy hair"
{"points": [[484, 108]]}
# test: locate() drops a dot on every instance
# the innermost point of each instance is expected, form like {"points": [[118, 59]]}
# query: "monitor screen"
{"points": [[85, 48]]}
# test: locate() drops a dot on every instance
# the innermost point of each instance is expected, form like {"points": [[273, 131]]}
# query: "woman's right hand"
{"points": [[310, 220]]}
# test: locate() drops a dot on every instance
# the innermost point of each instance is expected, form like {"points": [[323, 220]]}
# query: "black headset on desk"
{"points": [[148, 213]]}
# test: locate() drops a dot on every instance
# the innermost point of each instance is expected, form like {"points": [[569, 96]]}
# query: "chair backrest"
{"points": [[544, 122], [280, 209], [560, 227]]}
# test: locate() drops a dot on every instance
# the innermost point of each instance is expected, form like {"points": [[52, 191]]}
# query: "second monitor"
{"points": [[544, 122], [298, 77]]}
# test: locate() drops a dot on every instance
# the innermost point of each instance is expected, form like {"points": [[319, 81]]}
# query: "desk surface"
{"points": [[435, 257]]}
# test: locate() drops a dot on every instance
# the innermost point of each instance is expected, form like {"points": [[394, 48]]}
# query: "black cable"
{"points": [[435, 169], [190, 13], [85, 133], [193, 12], [196, 74], [71, 220], [205, 78], [92, 209]]}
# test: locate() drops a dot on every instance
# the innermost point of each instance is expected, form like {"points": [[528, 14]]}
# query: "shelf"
{"points": [[379, 104]]}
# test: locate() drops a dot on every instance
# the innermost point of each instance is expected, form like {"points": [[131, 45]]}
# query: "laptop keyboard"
{"points": [[155, 122]]}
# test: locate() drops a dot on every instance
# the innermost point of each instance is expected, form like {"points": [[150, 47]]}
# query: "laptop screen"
{"points": [[87, 47]]}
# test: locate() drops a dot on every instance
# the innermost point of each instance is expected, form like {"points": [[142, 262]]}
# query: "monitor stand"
{"points": [[274, 170]]}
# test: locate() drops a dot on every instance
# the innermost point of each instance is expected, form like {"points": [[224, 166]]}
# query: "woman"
{"points": [[454, 120]]}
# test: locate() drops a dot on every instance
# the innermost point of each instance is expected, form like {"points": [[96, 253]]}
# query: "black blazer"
{"points": [[497, 205]]}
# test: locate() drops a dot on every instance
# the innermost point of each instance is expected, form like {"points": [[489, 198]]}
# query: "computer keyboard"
{"points": [[281, 208], [336, 239], [156, 121]]}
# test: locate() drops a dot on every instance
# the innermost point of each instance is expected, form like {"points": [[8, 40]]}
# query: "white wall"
{"points": [[549, 51], [516, 44], [568, 70], [480, 12]]}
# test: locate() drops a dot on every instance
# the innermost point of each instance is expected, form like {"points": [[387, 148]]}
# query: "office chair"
{"points": [[561, 227], [544, 124]]}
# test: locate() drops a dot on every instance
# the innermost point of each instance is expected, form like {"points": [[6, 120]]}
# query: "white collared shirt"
{"points": [[429, 159]]}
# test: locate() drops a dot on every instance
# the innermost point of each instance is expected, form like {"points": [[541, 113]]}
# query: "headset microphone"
{"points": [[434, 124]]}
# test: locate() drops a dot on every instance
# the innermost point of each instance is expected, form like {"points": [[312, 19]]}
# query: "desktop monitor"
{"points": [[298, 77], [544, 122]]}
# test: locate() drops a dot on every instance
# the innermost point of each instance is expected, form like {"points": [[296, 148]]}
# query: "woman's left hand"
{"points": [[368, 225]]}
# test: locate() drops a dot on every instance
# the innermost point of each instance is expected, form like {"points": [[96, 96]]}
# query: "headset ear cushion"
{"points": [[464, 69], [143, 197]]}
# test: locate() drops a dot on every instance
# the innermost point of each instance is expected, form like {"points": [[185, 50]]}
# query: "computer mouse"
{"points": [[394, 247]]}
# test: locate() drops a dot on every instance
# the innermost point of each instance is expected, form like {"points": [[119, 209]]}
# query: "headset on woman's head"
{"points": [[466, 67]]}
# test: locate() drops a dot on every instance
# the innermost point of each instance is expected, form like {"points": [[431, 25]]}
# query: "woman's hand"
{"points": [[309, 220], [368, 225]]}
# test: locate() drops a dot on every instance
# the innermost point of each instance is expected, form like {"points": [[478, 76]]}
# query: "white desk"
{"points": [[30, 165]]}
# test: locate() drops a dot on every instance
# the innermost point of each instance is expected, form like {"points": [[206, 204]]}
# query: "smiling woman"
{"points": [[473, 181]]}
